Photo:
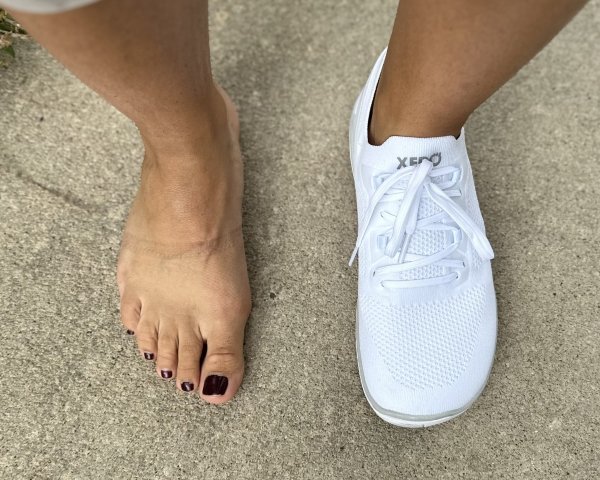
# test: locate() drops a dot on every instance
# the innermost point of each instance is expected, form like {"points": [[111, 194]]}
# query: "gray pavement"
{"points": [[76, 401]]}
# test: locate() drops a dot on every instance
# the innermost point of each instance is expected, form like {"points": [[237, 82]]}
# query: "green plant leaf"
{"points": [[8, 49], [8, 25], [5, 26]]}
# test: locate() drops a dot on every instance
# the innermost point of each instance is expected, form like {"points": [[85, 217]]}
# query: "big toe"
{"points": [[223, 367]]}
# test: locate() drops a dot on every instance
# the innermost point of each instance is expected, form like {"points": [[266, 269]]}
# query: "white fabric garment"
{"points": [[44, 6]]}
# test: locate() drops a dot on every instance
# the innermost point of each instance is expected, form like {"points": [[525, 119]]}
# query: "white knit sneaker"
{"points": [[426, 313]]}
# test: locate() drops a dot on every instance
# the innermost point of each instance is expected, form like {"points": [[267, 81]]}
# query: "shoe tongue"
{"points": [[400, 152]]}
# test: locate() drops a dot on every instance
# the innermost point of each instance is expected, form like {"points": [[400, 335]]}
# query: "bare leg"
{"points": [[447, 57], [182, 270]]}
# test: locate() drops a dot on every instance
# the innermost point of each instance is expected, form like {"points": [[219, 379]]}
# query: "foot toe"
{"points": [[188, 359], [146, 335], [223, 368], [130, 312], [166, 358]]}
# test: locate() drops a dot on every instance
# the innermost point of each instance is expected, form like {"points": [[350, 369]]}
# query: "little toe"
{"points": [[223, 367], [166, 358], [189, 351]]}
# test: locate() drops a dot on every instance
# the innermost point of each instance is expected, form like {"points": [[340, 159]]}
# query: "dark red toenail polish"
{"points": [[130, 332], [148, 356], [215, 385], [187, 386], [166, 373]]}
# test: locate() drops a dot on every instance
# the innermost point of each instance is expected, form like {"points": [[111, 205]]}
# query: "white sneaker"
{"points": [[426, 313]]}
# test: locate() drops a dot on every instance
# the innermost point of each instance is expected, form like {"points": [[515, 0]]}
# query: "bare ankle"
{"points": [[201, 126], [411, 115]]}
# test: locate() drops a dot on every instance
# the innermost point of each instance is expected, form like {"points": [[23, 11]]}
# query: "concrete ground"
{"points": [[78, 403]]}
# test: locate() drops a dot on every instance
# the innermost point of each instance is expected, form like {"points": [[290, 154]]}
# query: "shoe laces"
{"points": [[410, 186]]}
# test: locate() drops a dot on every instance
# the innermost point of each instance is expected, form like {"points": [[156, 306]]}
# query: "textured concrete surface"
{"points": [[76, 401]]}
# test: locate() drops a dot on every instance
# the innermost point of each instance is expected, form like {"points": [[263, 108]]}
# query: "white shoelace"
{"points": [[393, 189]]}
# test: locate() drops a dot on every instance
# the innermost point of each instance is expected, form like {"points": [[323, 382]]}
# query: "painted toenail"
{"points": [[187, 386], [130, 332], [148, 356], [166, 373], [215, 385]]}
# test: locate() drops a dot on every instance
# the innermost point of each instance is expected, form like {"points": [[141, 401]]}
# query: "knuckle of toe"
{"points": [[129, 308], [190, 350], [127, 320], [146, 341], [167, 358], [226, 361], [167, 340]]}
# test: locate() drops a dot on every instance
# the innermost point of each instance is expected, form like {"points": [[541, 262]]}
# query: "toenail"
{"points": [[166, 373], [130, 332], [148, 356], [215, 385], [187, 386]]}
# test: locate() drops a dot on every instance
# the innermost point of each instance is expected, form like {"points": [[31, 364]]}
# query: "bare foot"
{"points": [[182, 268]]}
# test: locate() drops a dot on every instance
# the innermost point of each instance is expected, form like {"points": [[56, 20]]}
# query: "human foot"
{"points": [[182, 270], [426, 312]]}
